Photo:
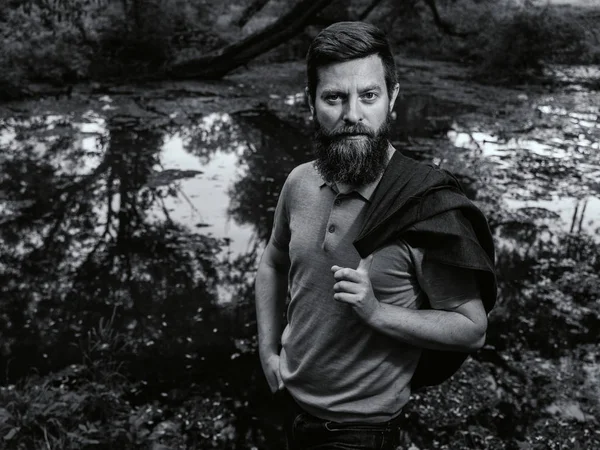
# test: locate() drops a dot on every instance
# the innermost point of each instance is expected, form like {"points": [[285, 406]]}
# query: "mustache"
{"points": [[353, 130]]}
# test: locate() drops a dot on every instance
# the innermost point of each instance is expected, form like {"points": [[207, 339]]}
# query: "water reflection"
{"points": [[241, 161], [574, 215], [577, 77], [80, 242], [277, 147], [554, 168], [200, 201], [424, 116]]}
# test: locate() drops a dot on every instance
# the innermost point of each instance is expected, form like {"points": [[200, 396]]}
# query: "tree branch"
{"points": [[251, 10], [219, 63]]}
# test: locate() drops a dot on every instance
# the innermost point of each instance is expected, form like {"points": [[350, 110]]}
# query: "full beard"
{"points": [[356, 162]]}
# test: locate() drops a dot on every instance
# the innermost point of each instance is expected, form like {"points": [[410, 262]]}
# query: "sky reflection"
{"points": [[554, 167], [201, 202]]}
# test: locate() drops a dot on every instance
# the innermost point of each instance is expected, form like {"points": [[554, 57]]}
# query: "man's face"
{"points": [[352, 110]]}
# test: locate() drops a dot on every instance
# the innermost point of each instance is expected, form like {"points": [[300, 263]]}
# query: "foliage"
{"points": [[505, 40], [145, 35], [554, 307], [98, 39], [37, 46], [528, 38], [94, 39], [68, 410]]}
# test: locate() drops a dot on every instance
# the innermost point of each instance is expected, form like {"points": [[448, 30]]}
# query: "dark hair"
{"points": [[344, 41]]}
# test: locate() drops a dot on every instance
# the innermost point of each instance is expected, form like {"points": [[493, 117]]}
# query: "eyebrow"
{"points": [[331, 91], [337, 91], [371, 87]]}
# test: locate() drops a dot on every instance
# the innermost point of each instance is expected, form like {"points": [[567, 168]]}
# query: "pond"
{"points": [[158, 223]]}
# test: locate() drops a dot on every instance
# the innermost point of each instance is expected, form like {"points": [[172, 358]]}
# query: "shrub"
{"points": [[83, 39], [519, 44], [68, 411], [50, 411], [37, 48], [146, 34], [504, 39], [554, 307]]}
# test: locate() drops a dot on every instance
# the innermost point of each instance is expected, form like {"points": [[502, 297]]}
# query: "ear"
{"points": [[309, 101], [394, 96]]}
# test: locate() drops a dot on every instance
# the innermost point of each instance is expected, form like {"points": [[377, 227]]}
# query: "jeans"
{"points": [[306, 432]]}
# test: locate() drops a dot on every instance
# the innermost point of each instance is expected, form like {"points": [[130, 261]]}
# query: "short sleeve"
{"points": [[280, 235], [446, 286]]}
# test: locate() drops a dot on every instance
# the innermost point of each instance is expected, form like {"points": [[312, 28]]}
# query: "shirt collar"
{"points": [[367, 190]]}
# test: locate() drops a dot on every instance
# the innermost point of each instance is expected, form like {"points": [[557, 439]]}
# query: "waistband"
{"points": [[293, 409]]}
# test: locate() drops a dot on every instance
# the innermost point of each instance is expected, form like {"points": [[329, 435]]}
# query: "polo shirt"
{"points": [[333, 364]]}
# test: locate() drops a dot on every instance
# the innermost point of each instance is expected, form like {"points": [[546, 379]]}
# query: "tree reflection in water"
{"points": [[276, 148], [80, 245]]}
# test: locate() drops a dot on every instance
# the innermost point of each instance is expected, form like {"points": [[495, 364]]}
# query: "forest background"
{"points": [[129, 347]]}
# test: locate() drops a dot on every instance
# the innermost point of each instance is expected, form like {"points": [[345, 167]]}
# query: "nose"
{"points": [[352, 112]]}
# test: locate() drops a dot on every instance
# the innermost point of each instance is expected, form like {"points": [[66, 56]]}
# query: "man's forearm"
{"points": [[271, 292], [428, 328]]}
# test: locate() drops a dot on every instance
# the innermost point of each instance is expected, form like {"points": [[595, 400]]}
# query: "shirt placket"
{"points": [[338, 222]]}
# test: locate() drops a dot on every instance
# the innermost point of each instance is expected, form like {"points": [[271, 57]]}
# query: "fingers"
{"points": [[345, 274], [346, 286], [274, 380], [345, 297], [272, 374], [279, 380], [273, 383]]}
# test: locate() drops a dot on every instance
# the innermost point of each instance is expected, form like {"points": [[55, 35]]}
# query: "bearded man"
{"points": [[386, 265]]}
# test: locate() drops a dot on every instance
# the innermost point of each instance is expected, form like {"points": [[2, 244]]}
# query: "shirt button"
{"points": [[337, 202], [331, 228]]}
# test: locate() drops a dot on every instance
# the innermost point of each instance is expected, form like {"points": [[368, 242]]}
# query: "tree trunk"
{"points": [[250, 11], [219, 63]]}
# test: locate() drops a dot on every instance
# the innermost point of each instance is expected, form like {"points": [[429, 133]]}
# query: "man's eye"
{"points": [[370, 96], [332, 98]]}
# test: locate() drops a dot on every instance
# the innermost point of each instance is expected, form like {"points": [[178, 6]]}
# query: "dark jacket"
{"points": [[426, 206]]}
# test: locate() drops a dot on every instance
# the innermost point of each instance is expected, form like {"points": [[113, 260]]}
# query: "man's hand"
{"points": [[354, 287], [270, 366]]}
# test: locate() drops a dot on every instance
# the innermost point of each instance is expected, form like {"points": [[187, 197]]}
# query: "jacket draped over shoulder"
{"points": [[426, 206]]}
